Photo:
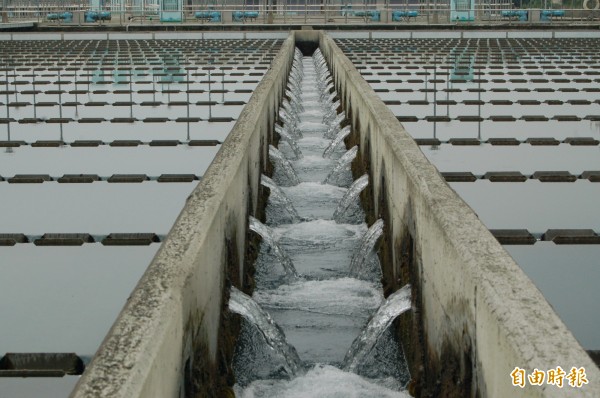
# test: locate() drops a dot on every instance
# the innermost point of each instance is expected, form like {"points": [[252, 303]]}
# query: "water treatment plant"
{"points": [[298, 199]]}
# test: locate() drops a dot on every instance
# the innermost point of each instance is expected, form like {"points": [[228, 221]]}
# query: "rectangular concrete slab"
{"points": [[576, 34], [339, 34], [392, 34], [178, 35], [433, 34], [266, 35], [487, 34], [37, 36], [223, 35], [131, 36], [85, 36], [529, 34]]}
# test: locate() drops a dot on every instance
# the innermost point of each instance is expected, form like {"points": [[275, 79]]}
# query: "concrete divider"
{"points": [[166, 341], [477, 316]]}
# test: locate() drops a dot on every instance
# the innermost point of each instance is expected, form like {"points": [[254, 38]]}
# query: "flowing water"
{"points": [[279, 204], [267, 235], [285, 172], [340, 174], [364, 263], [349, 209], [316, 228], [396, 304], [243, 305]]}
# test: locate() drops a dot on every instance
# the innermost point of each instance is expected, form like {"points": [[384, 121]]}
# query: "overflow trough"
{"points": [[476, 315]]}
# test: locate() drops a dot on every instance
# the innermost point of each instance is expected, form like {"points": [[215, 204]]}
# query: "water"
{"points": [[243, 305], [363, 264], [336, 142], [286, 137], [339, 175], [287, 130], [74, 298], [286, 175], [65, 298], [281, 208], [332, 113], [322, 381], [396, 304], [317, 226], [287, 118], [267, 235], [349, 209], [335, 127]]}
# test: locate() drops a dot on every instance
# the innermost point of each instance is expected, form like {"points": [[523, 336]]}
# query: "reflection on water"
{"points": [[524, 158], [64, 299], [106, 161], [17, 387], [534, 205], [518, 129], [96, 208], [517, 78], [107, 131], [567, 275]]}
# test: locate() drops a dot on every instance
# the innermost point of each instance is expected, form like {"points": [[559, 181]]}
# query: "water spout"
{"points": [[280, 201], [360, 265], [245, 306], [342, 212], [339, 138], [334, 130], [283, 165], [267, 235], [287, 118], [287, 137], [395, 305], [336, 177]]}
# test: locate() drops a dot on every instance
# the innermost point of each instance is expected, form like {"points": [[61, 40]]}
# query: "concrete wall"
{"points": [[478, 316], [173, 316]]}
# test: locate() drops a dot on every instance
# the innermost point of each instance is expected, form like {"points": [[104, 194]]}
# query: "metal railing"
{"points": [[434, 13]]}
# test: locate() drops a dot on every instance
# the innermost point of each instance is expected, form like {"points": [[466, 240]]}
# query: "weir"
{"points": [[337, 288], [476, 317]]}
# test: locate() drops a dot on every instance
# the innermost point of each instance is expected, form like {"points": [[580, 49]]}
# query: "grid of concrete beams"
{"points": [[101, 142], [513, 126]]}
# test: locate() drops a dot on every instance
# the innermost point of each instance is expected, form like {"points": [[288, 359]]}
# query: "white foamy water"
{"points": [[322, 381], [310, 114], [343, 296], [314, 200], [316, 125], [318, 248], [323, 309], [318, 233]]}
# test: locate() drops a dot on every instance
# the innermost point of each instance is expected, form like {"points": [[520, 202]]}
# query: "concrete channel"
{"points": [[477, 315]]}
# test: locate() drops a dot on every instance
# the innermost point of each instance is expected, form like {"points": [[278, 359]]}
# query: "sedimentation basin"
{"points": [[478, 316]]}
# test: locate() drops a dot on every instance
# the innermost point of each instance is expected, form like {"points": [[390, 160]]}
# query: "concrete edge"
{"points": [[474, 286], [554, 32], [494, 32], [175, 308]]}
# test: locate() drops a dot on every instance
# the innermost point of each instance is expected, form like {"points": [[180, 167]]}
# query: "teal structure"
{"points": [[462, 10], [171, 10]]}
